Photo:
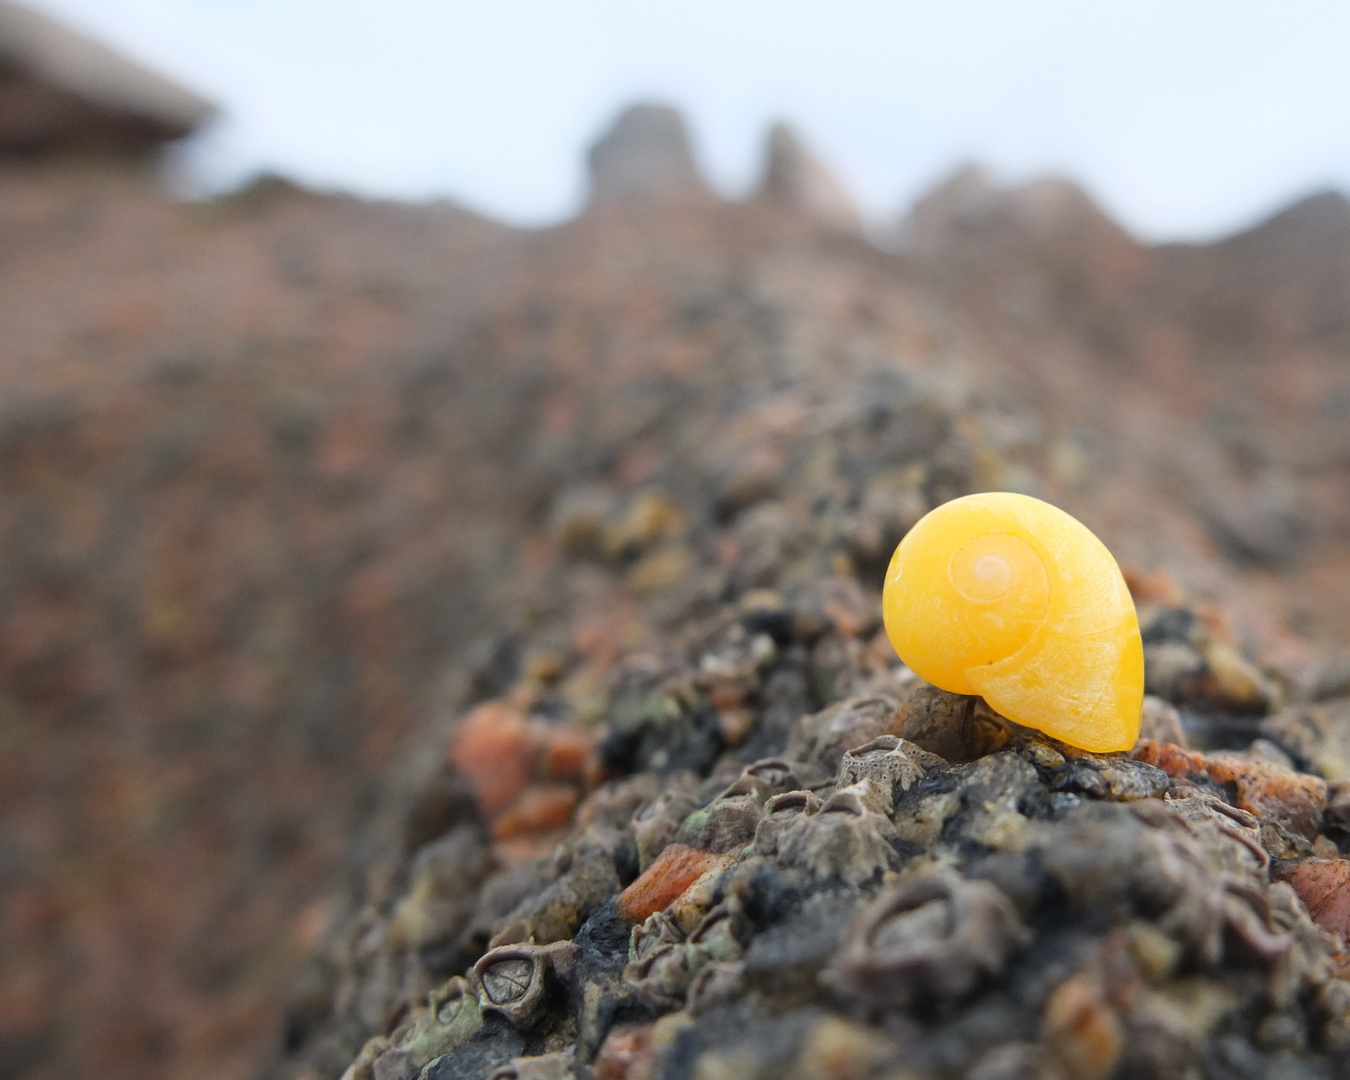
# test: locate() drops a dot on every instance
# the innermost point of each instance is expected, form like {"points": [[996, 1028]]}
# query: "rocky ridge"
{"points": [[711, 826], [307, 479]]}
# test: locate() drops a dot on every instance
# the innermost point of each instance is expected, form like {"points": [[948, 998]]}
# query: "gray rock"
{"points": [[645, 157]]}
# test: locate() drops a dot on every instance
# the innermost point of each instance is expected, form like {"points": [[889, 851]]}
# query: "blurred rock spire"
{"points": [[797, 180], [645, 157]]}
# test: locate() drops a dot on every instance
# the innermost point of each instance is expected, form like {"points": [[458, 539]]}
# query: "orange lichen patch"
{"points": [[1082, 1030], [735, 724], [1295, 800], [1324, 887], [543, 806], [568, 750], [496, 748], [627, 1053], [502, 751], [673, 871], [528, 847], [1168, 757], [727, 695]]}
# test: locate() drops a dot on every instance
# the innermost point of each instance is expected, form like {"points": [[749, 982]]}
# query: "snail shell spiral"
{"points": [[1010, 598]]}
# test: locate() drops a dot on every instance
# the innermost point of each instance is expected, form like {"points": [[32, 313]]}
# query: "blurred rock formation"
{"points": [[799, 182], [644, 158], [62, 91]]}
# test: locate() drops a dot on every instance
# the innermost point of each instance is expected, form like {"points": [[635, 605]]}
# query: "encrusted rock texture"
{"points": [[435, 649], [735, 837]]}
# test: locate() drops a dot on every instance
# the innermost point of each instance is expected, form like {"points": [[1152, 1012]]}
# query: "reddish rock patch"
{"points": [[1324, 887], [673, 871]]}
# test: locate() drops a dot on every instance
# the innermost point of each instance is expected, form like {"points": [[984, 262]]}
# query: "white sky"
{"points": [[1185, 118]]}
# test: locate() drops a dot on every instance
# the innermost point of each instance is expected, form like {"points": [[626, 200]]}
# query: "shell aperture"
{"points": [[1010, 598]]}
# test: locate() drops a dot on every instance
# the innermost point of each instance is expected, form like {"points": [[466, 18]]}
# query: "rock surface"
{"points": [[311, 506]]}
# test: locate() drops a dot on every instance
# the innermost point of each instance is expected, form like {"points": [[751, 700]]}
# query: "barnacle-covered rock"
{"points": [[822, 739], [451, 1018], [1204, 892], [779, 813], [1294, 801], [656, 824], [722, 934], [987, 804], [443, 895], [554, 912], [665, 964], [1017, 908], [803, 935], [770, 776], [933, 936], [846, 837], [890, 764], [661, 978], [715, 982], [1116, 778], [734, 837], [725, 825]]}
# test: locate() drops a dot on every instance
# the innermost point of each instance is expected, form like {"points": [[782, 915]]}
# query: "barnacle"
{"points": [[663, 964], [779, 813], [514, 980], [846, 837], [932, 936], [1006, 597], [661, 977]]}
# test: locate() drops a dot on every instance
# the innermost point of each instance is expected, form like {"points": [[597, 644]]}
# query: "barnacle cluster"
{"points": [[877, 910], [741, 839]]}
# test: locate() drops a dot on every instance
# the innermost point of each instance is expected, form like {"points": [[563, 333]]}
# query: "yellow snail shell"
{"points": [[1010, 598]]}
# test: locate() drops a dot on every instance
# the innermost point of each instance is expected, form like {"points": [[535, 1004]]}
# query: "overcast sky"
{"points": [[1184, 118]]}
